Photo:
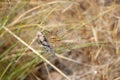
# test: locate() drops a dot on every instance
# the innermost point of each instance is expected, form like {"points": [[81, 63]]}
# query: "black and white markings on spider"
{"points": [[42, 39]]}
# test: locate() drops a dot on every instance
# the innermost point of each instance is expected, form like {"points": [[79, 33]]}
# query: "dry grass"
{"points": [[85, 35]]}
